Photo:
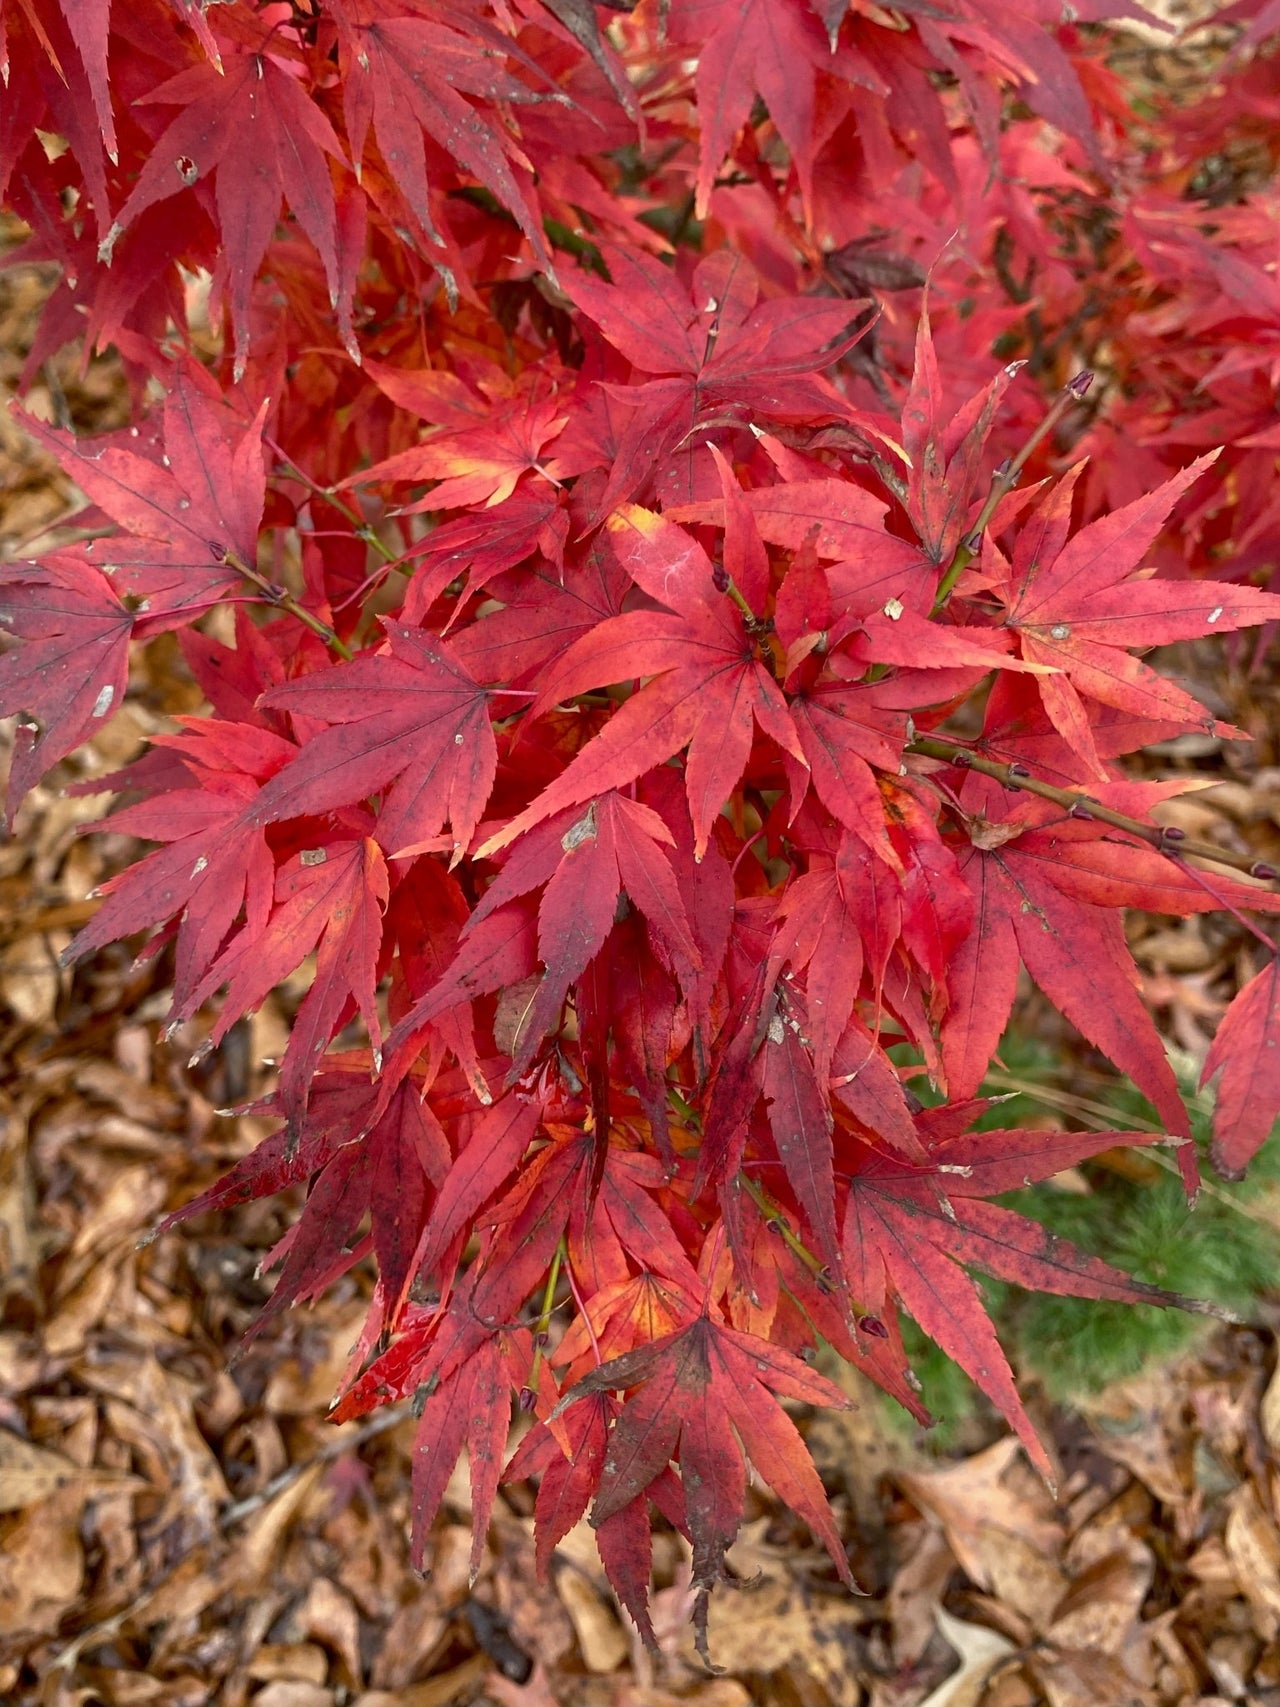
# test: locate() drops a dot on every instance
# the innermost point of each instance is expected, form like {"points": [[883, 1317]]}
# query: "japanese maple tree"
{"points": [[672, 609]]}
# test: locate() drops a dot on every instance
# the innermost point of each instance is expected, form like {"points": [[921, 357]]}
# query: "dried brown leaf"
{"points": [[29, 1474], [42, 1565], [780, 1629], [1253, 1549], [980, 1651], [916, 1592], [603, 1642], [328, 1617], [984, 1501], [294, 1692], [301, 1660], [1103, 1603]]}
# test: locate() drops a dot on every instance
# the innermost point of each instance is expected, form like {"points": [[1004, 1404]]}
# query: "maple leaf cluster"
{"points": [[663, 673]]}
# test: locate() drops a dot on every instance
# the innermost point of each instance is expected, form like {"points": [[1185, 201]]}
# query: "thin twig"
{"points": [[1003, 482], [775, 1218], [326, 495], [336, 1448], [1077, 804], [281, 596]]}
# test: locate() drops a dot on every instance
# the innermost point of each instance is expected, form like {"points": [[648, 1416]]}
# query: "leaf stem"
{"points": [[1003, 482], [736, 594], [282, 597], [364, 531], [544, 1315], [1081, 805], [684, 1108], [583, 1311], [771, 1211], [775, 1218], [330, 497]]}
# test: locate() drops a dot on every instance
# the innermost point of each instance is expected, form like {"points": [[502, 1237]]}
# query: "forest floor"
{"points": [[179, 1523]]}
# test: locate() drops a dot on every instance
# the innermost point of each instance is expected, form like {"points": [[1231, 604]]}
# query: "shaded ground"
{"points": [[176, 1528]]}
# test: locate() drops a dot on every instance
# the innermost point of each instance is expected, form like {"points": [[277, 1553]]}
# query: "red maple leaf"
{"points": [[705, 1394], [568, 1478], [1076, 605], [391, 1164], [412, 718], [1247, 1051], [499, 1137], [72, 668], [819, 937], [406, 76], [1075, 951], [945, 471], [911, 1232], [215, 861], [616, 845], [340, 1108], [181, 510], [569, 1456], [329, 899], [484, 544], [470, 1406], [710, 687], [488, 438], [839, 521], [770, 48], [252, 123], [725, 356], [543, 610], [641, 1139], [500, 952], [521, 1231]]}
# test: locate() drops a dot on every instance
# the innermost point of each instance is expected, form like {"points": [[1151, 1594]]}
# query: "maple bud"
{"points": [[1013, 772], [873, 1326], [962, 760], [528, 1399], [1080, 384], [1171, 833], [1267, 873], [720, 577], [1080, 810]]}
